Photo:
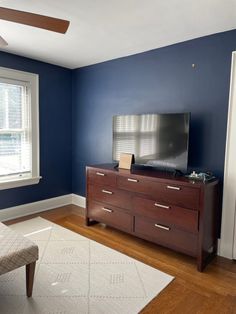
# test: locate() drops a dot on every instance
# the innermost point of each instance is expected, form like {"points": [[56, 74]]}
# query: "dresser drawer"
{"points": [[110, 215], [109, 195], [166, 235], [175, 194], [101, 177], [186, 219], [134, 184]]}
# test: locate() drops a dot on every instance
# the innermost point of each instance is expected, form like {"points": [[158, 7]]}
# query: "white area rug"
{"points": [[76, 275]]}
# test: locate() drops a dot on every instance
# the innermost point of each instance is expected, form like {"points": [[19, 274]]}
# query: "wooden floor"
{"points": [[213, 291]]}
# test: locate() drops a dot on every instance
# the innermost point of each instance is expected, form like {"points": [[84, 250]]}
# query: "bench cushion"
{"points": [[15, 250]]}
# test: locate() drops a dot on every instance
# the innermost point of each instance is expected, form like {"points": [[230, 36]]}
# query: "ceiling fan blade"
{"points": [[3, 42], [35, 20]]}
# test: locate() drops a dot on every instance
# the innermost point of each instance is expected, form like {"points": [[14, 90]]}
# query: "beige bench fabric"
{"points": [[15, 250]]}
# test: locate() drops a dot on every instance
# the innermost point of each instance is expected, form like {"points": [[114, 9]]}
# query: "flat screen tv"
{"points": [[157, 140]]}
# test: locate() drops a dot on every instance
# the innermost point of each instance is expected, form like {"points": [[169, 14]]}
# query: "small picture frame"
{"points": [[126, 160]]}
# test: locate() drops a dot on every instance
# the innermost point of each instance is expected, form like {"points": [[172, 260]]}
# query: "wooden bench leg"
{"points": [[30, 268]]}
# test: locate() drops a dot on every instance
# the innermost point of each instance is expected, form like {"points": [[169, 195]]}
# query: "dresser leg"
{"points": [[200, 265], [87, 221], [202, 262]]}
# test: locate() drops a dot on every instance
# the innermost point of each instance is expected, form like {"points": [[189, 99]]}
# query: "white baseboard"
{"points": [[40, 206], [35, 207], [78, 200]]}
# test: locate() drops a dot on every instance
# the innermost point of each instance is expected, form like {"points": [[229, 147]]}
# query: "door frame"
{"points": [[227, 247]]}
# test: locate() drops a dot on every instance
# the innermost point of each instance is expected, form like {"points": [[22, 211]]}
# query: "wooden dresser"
{"points": [[174, 212]]}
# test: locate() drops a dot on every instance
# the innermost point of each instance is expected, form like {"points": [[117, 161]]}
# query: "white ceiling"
{"points": [[102, 30]]}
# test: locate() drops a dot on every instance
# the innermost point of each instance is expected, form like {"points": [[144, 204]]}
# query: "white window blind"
{"points": [[15, 129], [18, 128]]}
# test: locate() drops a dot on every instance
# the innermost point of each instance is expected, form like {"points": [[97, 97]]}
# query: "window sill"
{"points": [[4, 185]]}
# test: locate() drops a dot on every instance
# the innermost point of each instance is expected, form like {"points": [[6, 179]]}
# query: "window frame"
{"points": [[13, 181]]}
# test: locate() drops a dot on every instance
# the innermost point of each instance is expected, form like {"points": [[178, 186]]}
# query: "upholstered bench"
{"points": [[17, 251]]}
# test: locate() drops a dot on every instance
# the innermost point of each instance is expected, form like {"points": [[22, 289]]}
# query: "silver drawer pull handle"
{"points": [[173, 187], [107, 192], [162, 227], [132, 180], [107, 210], [162, 206], [100, 174]]}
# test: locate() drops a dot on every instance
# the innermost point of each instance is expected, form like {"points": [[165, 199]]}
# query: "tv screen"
{"points": [[158, 140]]}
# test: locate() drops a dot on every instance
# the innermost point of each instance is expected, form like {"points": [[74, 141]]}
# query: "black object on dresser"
{"points": [[174, 212]]}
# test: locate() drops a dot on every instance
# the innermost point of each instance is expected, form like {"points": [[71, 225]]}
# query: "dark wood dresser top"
{"points": [[151, 173]]}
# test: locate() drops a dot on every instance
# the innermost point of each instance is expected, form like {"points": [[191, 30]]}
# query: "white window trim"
{"points": [[33, 80], [228, 225]]}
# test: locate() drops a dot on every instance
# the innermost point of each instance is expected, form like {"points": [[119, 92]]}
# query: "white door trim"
{"points": [[228, 226]]}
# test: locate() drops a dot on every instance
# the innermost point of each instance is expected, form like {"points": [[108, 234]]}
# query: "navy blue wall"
{"points": [[55, 132], [158, 81]]}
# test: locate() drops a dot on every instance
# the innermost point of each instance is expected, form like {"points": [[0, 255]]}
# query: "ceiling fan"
{"points": [[32, 19]]}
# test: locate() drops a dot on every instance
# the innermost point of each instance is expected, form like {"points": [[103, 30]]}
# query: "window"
{"points": [[19, 134]]}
